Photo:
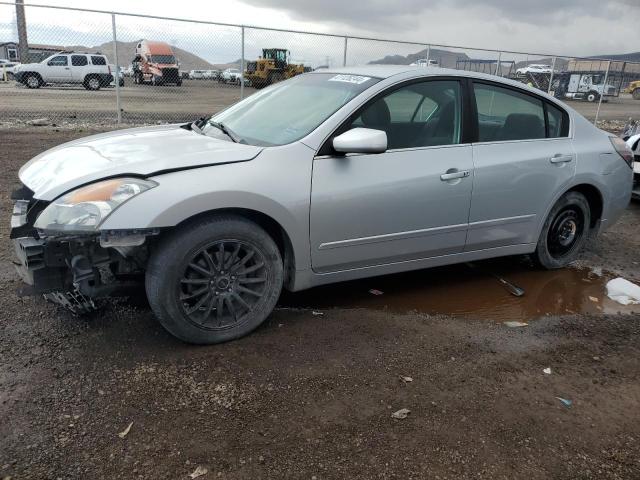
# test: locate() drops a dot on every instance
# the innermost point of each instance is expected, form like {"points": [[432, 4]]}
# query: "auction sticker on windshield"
{"points": [[357, 79]]}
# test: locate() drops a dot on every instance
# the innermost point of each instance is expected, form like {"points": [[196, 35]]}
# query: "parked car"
{"points": [[230, 75], [7, 68], [120, 76], [423, 62], [197, 74], [89, 69], [534, 68], [326, 177], [631, 134]]}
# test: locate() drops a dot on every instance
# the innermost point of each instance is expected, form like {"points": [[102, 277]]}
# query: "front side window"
{"points": [[79, 60], [290, 110], [59, 61], [420, 114], [505, 114]]}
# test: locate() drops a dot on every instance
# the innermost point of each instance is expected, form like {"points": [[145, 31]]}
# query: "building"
{"points": [[37, 52]]}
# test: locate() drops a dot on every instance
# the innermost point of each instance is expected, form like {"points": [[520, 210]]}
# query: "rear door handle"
{"points": [[558, 158], [454, 175]]}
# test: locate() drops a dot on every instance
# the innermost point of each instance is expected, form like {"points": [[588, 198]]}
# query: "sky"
{"points": [[563, 27]]}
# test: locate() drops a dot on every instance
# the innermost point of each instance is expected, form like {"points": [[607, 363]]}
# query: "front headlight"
{"points": [[86, 208]]}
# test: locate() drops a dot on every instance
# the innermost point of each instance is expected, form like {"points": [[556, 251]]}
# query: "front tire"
{"points": [[564, 233], [33, 80], [592, 96], [215, 280]]}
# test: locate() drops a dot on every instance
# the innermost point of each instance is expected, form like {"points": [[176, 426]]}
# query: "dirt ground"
{"points": [[311, 396], [168, 103]]}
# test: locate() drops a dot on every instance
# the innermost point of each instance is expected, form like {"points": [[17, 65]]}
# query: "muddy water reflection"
{"points": [[471, 292]]}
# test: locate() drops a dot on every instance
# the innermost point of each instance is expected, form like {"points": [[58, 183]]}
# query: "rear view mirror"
{"points": [[361, 140]]}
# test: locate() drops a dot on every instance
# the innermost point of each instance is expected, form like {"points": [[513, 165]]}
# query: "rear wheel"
{"points": [[215, 280], [92, 83], [564, 232], [33, 80]]}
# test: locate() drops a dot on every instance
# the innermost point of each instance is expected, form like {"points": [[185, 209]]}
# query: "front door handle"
{"points": [[558, 158], [454, 174]]}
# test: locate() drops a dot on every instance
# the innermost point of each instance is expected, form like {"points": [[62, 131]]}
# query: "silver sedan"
{"points": [[326, 177]]}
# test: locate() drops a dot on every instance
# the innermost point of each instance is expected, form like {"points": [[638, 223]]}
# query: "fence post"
{"points": [[344, 58], [604, 90], [553, 69], [116, 79], [429, 53], [242, 65], [499, 64]]}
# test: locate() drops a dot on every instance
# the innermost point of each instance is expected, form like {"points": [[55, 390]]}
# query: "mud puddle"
{"points": [[460, 290]]}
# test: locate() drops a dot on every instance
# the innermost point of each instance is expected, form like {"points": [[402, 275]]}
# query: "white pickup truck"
{"points": [[90, 70]]}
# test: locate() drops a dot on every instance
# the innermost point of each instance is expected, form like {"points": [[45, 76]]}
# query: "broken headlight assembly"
{"points": [[84, 209]]}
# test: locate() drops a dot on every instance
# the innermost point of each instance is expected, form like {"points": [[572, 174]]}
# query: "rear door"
{"points": [[522, 158], [79, 68], [410, 202]]}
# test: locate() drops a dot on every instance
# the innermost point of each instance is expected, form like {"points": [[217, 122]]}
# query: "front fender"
{"points": [[276, 184]]}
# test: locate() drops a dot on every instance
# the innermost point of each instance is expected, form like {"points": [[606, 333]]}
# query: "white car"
{"points": [[423, 62], [91, 70], [7, 68], [197, 74], [231, 75], [534, 68]]}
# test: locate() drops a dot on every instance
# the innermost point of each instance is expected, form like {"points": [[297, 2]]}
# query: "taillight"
{"points": [[623, 150], [109, 67]]}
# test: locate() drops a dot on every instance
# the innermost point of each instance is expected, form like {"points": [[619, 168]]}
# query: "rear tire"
{"points": [[200, 288], [92, 83], [564, 233]]}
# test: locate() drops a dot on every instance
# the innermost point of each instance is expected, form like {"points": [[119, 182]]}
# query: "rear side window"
{"points": [[504, 114], [98, 60], [557, 122], [78, 60]]}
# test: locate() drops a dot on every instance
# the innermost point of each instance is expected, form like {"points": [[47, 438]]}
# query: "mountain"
{"points": [[624, 57], [126, 50], [445, 58]]}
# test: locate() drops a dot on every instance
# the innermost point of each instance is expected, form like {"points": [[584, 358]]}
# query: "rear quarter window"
{"points": [[96, 60]]}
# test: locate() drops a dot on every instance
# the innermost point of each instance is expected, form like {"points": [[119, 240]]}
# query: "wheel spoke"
{"points": [[220, 256], [241, 301], [252, 268], [200, 302], [243, 261], [230, 307], [206, 314], [233, 257], [252, 280], [199, 269], [194, 281], [240, 288], [195, 293], [219, 310], [207, 257]]}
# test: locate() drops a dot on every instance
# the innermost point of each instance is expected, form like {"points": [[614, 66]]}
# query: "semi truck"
{"points": [[154, 63], [587, 86]]}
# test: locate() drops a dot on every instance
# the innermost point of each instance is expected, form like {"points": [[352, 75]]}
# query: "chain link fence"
{"points": [[172, 70]]}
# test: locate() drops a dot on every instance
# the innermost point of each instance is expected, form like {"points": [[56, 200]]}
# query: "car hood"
{"points": [[138, 151]]}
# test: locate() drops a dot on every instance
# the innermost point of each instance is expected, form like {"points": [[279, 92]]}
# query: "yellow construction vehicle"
{"points": [[634, 89], [272, 67]]}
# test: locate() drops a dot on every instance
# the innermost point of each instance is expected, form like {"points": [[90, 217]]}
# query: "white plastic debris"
{"points": [[623, 291], [125, 432], [406, 379], [316, 313], [401, 414], [547, 371], [515, 324], [198, 472]]}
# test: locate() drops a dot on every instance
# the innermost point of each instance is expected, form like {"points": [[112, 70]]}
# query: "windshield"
{"points": [[292, 109], [166, 59]]}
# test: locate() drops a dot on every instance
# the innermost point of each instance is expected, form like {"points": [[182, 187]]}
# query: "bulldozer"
{"points": [[634, 89], [274, 66]]}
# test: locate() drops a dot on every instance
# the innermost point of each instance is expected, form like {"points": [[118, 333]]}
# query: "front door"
{"points": [[523, 157], [58, 69], [408, 203]]}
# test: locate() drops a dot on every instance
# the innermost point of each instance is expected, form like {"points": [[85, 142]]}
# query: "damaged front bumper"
{"points": [[75, 269]]}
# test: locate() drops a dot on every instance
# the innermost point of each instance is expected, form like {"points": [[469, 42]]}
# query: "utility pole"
{"points": [[23, 46]]}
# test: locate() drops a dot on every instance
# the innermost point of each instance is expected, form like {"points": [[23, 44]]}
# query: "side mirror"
{"points": [[361, 140]]}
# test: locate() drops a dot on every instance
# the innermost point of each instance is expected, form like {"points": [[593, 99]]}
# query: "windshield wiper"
{"points": [[226, 130]]}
